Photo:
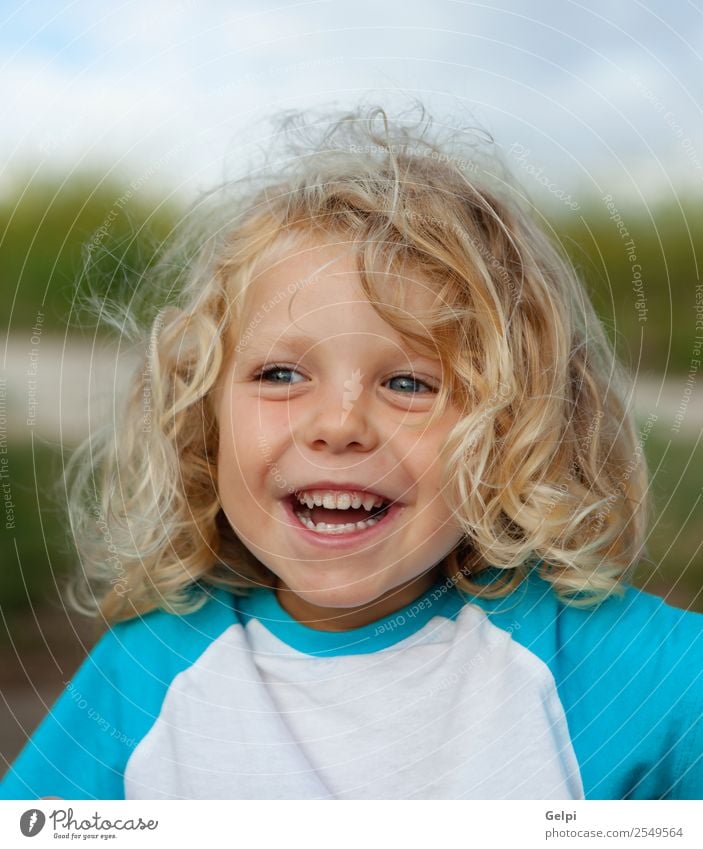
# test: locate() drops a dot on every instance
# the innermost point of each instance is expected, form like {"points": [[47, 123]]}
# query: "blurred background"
{"points": [[115, 117]]}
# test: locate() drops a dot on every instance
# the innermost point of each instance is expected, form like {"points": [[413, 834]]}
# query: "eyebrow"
{"points": [[301, 341], [295, 340]]}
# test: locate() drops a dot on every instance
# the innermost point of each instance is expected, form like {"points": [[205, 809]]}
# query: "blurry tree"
{"points": [[52, 230], [642, 277]]}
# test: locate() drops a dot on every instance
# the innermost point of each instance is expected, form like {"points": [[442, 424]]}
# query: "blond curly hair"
{"points": [[544, 468]]}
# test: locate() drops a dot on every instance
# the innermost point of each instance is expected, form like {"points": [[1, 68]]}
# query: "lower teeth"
{"points": [[325, 528]]}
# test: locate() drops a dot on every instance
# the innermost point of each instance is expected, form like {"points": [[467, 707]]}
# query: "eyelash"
{"points": [[277, 367]]}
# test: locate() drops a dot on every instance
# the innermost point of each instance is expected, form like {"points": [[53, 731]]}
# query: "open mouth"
{"points": [[336, 521]]}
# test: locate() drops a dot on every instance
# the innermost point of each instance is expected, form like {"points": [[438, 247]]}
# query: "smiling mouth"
{"points": [[330, 521]]}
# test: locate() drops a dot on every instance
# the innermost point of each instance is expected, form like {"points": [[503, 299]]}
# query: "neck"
{"points": [[346, 618]]}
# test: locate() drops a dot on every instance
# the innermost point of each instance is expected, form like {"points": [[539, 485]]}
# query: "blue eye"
{"points": [[412, 380], [272, 374], [275, 369]]}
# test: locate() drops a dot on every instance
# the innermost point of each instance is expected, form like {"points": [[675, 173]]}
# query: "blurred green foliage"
{"points": [[641, 277], [36, 553], [52, 232], [47, 229], [675, 539]]}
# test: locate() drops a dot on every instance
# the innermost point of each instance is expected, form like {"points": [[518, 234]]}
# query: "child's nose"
{"points": [[341, 418]]}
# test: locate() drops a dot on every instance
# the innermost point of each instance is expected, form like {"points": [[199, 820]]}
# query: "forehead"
{"points": [[315, 290]]}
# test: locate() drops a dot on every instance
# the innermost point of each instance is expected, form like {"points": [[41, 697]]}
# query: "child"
{"points": [[367, 526]]}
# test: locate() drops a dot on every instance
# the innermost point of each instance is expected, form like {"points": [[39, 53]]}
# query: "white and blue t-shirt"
{"points": [[451, 697]]}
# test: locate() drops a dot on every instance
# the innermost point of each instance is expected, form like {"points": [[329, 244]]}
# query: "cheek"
{"points": [[252, 436], [239, 423], [424, 458], [422, 454], [234, 451]]}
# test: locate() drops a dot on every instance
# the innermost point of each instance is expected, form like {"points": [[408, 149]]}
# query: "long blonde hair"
{"points": [[544, 469]]}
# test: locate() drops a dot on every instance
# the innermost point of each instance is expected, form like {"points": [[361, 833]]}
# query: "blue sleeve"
{"points": [[629, 674], [632, 682], [685, 666], [81, 747], [689, 770]]}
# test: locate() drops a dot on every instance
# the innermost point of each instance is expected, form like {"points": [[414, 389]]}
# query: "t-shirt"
{"points": [[452, 697]]}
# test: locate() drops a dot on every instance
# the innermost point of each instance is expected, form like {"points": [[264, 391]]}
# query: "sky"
{"points": [[600, 97]]}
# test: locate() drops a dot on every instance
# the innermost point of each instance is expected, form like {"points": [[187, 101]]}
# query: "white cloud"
{"points": [[143, 83]]}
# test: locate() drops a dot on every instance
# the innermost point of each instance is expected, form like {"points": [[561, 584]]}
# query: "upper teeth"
{"points": [[339, 500]]}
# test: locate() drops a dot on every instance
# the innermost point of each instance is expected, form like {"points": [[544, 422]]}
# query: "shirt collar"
{"points": [[441, 599]]}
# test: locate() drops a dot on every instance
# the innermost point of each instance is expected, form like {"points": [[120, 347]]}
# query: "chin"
{"points": [[334, 592]]}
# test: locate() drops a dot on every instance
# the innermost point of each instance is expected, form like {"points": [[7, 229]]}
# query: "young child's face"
{"points": [[334, 414]]}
